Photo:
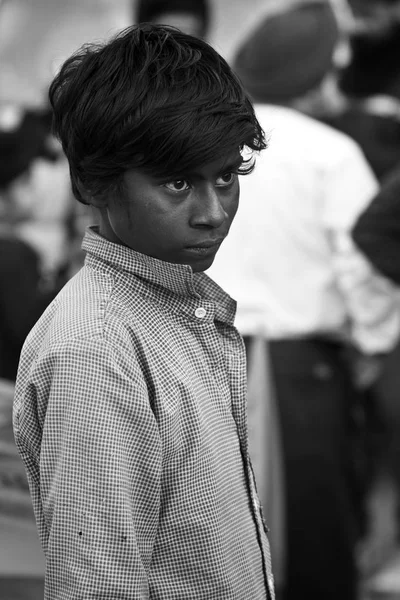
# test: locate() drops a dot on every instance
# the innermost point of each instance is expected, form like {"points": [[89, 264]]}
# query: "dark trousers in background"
{"points": [[385, 400], [315, 397]]}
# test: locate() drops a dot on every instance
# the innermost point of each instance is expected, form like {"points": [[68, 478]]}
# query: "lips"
{"points": [[204, 249], [206, 244]]}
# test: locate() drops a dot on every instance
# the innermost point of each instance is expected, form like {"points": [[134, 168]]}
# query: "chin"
{"points": [[203, 265]]}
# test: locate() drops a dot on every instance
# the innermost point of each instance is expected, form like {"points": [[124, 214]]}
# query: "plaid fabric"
{"points": [[130, 416]]}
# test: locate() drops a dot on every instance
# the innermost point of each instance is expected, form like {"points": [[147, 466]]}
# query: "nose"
{"points": [[208, 209]]}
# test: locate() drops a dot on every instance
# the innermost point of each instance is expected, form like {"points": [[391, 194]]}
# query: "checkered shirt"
{"points": [[130, 417]]}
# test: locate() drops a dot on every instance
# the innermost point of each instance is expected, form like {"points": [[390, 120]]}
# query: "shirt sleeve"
{"points": [[373, 314], [377, 230], [100, 473]]}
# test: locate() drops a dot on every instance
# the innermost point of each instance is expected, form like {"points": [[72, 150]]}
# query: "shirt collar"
{"points": [[177, 278]]}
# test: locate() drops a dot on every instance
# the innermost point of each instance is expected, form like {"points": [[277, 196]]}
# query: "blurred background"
{"points": [[41, 225]]}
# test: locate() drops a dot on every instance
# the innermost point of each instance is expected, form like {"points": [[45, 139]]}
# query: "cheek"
{"points": [[145, 224], [234, 202]]}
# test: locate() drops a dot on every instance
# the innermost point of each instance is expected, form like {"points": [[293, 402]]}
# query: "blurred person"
{"points": [[130, 408], [23, 295], [22, 300], [190, 16], [370, 116], [39, 199], [370, 82], [301, 282], [377, 229], [373, 68], [376, 233], [376, 128]]}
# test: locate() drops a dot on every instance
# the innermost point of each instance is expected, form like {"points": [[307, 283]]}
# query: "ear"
{"points": [[99, 201]]}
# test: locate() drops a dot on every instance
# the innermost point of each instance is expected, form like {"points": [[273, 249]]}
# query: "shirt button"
{"points": [[200, 312]]}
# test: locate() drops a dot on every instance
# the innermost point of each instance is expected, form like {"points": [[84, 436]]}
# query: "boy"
{"points": [[130, 399]]}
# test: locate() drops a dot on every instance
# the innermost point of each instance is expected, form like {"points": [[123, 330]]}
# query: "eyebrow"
{"points": [[232, 165], [227, 167]]}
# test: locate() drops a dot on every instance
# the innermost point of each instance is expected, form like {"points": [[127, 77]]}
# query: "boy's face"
{"points": [[183, 220]]}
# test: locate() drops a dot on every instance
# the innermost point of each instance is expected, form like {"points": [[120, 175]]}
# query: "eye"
{"points": [[180, 185], [225, 179]]}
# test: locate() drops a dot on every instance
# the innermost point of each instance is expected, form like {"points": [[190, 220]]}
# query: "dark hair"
{"points": [[150, 10], [153, 99]]}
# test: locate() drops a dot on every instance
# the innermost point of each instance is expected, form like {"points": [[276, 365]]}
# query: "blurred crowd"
{"points": [[313, 260]]}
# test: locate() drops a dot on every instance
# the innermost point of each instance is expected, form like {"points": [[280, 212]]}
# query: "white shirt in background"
{"points": [[289, 259]]}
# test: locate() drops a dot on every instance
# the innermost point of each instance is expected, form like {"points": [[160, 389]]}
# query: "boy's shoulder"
{"points": [[99, 303], [78, 312], [85, 327]]}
